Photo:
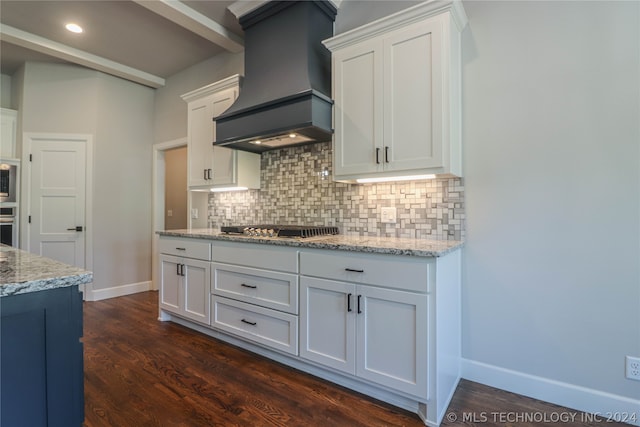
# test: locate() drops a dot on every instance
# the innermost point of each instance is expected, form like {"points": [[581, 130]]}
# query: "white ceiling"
{"points": [[142, 40]]}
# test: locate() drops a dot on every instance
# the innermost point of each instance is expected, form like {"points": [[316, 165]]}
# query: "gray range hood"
{"points": [[285, 98]]}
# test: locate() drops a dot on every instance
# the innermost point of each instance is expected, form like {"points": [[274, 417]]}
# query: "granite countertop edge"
{"points": [[350, 243], [22, 272], [37, 285]]}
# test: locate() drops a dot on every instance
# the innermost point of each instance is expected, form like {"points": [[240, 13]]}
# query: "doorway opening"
{"points": [[166, 163]]}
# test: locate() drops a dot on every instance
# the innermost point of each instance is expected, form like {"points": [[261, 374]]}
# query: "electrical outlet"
{"points": [[388, 215], [169, 212], [194, 213], [633, 368]]}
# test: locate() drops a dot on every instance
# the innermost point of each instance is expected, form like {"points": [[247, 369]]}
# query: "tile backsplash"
{"points": [[295, 189]]}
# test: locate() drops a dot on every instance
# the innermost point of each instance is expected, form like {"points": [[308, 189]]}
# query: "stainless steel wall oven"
{"points": [[8, 230], [8, 179]]}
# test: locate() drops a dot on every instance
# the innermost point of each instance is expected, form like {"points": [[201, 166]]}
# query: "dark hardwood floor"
{"points": [[142, 372]]}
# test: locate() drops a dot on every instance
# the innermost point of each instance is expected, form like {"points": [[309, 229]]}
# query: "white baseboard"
{"points": [[583, 399], [117, 291]]}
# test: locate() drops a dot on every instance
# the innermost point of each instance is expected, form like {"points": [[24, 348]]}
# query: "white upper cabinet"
{"points": [[209, 166], [396, 88], [9, 119]]}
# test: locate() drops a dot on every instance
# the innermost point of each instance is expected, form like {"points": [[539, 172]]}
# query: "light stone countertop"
{"points": [[353, 243], [22, 272]]}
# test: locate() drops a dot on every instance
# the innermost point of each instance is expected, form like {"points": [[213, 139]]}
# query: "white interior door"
{"points": [[57, 200]]}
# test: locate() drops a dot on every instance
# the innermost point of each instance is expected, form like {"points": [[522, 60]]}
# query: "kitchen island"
{"points": [[41, 358], [378, 315]]}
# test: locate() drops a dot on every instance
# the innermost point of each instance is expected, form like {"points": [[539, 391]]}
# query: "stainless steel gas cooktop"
{"points": [[279, 230]]}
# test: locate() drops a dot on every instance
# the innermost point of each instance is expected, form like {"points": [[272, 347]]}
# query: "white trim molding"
{"points": [[58, 50], [230, 82], [400, 19], [118, 291], [559, 393]]}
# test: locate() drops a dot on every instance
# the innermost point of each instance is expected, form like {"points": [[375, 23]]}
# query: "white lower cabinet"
{"points": [[374, 333], [185, 286], [384, 325]]}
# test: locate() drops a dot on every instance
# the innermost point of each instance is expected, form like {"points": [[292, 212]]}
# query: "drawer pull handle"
{"points": [[181, 249], [349, 303], [244, 285], [359, 297], [354, 270], [249, 323]]}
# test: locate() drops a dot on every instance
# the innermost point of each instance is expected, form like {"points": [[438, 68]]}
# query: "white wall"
{"points": [[171, 111], [119, 114], [552, 175], [175, 189], [551, 143], [5, 91]]}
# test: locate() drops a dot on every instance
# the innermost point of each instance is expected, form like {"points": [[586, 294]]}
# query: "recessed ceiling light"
{"points": [[257, 142], [74, 28], [292, 135]]}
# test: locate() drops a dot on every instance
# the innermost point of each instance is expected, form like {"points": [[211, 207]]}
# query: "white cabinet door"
{"points": [[8, 129], [413, 98], [196, 283], [224, 159], [170, 283], [200, 139], [374, 333], [209, 165], [397, 100], [185, 285], [392, 339], [358, 108], [327, 323]]}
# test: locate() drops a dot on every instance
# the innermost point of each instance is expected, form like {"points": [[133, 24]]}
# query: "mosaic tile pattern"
{"points": [[293, 191]]}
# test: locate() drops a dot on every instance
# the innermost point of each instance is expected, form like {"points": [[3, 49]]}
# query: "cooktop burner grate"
{"points": [[280, 230]]}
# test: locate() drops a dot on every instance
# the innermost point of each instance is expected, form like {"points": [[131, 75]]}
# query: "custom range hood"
{"points": [[285, 98]]}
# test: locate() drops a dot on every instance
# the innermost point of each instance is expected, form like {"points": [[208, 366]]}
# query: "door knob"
{"points": [[77, 228]]}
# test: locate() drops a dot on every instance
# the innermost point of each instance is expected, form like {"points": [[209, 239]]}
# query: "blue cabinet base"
{"points": [[41, 359]]}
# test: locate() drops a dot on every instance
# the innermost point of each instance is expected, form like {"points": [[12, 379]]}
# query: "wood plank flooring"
{"points": [[142, 372]]}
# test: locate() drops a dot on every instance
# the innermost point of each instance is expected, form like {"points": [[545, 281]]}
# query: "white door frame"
{"points": [[157, 220], [25, 209]]}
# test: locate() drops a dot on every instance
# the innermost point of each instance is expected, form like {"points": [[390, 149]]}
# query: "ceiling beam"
{"points": [[181, 14], [242, 7], [58, 50]]}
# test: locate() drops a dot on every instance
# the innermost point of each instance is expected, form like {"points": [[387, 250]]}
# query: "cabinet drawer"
{"points": [[271, 257], [262, 325], [189, 248], [266, 288], [398, 272]]}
